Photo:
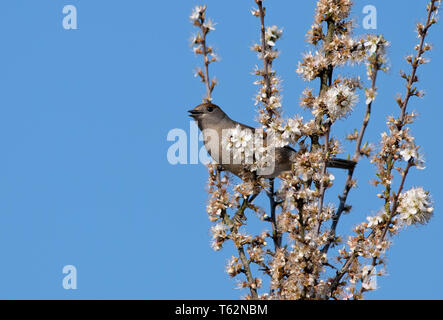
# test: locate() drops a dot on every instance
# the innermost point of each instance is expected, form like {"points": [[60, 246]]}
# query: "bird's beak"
{"points": [[194, 113]]}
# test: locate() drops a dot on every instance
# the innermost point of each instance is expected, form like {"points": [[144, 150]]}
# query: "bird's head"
{"points": [[207, 114]]}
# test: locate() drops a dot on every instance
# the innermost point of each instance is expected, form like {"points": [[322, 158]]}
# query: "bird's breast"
{"points": [[212, 143]]}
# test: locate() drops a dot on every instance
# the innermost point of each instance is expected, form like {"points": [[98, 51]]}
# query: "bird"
{"points": [[212, 120]]}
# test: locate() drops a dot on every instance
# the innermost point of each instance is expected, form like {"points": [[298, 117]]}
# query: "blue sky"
{"points": [[84, 178]]}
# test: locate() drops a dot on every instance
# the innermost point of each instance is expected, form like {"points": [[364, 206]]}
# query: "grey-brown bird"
{"points": [[211, 120]]}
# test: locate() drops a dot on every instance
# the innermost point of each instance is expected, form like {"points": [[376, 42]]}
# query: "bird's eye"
{"points": [[210, 109]]}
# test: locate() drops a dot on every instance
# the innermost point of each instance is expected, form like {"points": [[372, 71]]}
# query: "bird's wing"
{"points": [[243, 126]]}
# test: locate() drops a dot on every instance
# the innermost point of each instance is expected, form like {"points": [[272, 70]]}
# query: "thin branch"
{"points": [[326, 81], [409, 94], [323, 173], [395, 205], [339, 212], [267, 64], [247, 272], [341, 273], [231, 223], [350, 260], [364, 126], [267, 67], [201, 47], [276, 236], [415, 64], [206, 63], [348, 185]]}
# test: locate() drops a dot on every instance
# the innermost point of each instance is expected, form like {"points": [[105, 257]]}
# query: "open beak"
{"points": [[194, 113]]}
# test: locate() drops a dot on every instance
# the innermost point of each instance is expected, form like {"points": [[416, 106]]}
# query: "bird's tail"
{"points": [[341, 164], [331, 163]]}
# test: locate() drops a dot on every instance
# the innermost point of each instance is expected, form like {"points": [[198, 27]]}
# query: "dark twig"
{"points": [[267, 63], [348, 185], [206, 65], [410, 92], [231, 223], [326, 81], [276, 236]]}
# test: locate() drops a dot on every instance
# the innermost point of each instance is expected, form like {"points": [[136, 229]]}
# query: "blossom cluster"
{"points": [[200, 47], [241, 143], [415, 206], [340, 100], [303, 255], [268, 98], [398, 154]]}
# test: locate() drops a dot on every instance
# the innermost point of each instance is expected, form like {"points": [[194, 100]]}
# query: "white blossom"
{"points": [[415, 206], [241, 138], [196, 13], [241, 143], [409, 151], [371, 46], [374, 221], [291, 131], [209, 24], [370, 95], [340, 100], [420, 162], [312, 65], [219, 230], [272, 35], [219, 234], [369, 278]]}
